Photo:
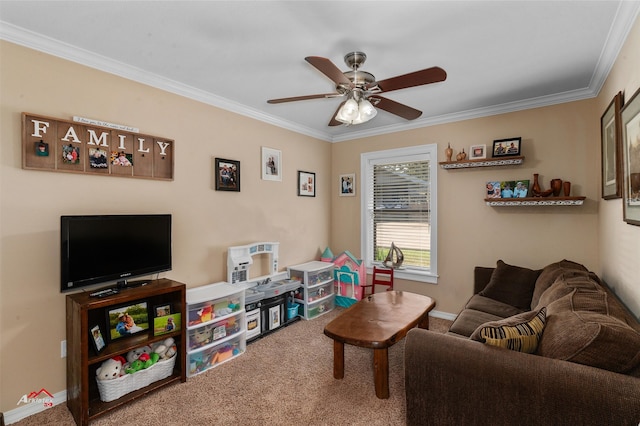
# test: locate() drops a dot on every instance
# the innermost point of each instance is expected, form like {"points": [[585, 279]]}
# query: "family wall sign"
{"points": [[81, 147]]}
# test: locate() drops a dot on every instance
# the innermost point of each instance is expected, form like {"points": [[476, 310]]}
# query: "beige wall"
{"points": [[558, 142], [206, 222], [619, 248]]}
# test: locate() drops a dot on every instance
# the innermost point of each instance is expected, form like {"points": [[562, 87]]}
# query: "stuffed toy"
{"points": [[134, 354], [109, 370], [165, 349]]}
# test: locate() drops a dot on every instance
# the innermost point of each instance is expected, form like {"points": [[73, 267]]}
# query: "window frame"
{"points": [[367, 160]]}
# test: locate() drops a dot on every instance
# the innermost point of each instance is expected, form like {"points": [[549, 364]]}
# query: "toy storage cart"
{"points": [[216, 326], [316, 295]]}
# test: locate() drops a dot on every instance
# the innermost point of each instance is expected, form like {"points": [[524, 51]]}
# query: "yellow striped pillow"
{"points": [[520, 332]]}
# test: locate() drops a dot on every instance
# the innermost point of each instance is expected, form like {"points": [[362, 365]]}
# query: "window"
{"points": [[399, 205]]}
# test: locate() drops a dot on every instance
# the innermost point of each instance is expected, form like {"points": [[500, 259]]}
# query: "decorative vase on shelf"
{"points": [[535, 189], [448, 152], [567, 188], [462, 155], [556, 185]]}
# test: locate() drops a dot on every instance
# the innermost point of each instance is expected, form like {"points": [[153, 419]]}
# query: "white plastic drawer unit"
{"points": [[312, 273], [311, 294], [320, 307]]}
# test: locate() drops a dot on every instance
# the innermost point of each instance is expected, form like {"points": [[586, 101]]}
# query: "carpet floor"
{"points": [[285, 378]]}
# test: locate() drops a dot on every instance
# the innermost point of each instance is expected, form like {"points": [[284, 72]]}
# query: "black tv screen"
{"points": [[100, 249]]}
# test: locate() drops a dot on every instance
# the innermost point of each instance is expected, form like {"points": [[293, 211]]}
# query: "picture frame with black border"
{"points": [[306, 184], [127, 320], [630, 117], [507, 147], [97, 339], [611, 142], [227, 175]]}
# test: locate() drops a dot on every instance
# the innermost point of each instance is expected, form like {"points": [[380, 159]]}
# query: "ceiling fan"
{"points": [[363, 91]]}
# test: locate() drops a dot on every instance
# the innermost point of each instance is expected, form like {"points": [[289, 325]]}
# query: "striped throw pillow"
{"points": [[520, 332]]}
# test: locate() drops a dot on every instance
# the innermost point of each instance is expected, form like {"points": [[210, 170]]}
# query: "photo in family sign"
{"points": [[127, 320], [507, 189]]}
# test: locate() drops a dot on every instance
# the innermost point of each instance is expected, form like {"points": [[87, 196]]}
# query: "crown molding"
{"points": [[623, 22]]}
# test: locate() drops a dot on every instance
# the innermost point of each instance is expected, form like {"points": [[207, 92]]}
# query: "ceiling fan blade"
{"points": [[326, 67], [302, 98], [396, 108], [333, 121], [417, 78]]}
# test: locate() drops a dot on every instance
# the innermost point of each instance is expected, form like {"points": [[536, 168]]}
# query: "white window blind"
{"points": [[399, 202]]}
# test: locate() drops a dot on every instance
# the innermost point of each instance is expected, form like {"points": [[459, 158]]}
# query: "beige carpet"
{"points": [[285, 378]]}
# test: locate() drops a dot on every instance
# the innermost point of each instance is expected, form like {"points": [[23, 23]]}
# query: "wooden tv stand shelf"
{"points": [[85, 312]]}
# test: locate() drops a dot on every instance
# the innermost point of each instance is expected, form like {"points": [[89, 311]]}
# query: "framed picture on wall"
{"points": [[347, 185], [611, 137], [630, 117], [306, 184], [227, 175], [506, 147], [271, 164]]}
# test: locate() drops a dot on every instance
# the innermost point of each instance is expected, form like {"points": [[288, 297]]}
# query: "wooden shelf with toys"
{"points": [[94, 348]]}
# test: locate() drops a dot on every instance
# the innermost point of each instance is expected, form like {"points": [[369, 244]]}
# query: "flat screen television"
{"points": [[105, 248]]}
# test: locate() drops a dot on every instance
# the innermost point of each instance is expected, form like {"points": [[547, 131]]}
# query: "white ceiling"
{"points": [[499, 56]]}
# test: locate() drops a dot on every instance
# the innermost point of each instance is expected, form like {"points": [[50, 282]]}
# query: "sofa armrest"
{"points": [[460, 381]]}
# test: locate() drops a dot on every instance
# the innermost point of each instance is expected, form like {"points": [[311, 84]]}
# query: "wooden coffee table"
{"points": [[378, 321]]}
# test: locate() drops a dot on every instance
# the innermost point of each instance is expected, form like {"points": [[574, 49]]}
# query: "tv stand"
{"points": [[85, 312]]}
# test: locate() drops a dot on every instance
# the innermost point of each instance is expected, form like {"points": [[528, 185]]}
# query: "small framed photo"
{"points": [[348, 185], [630, 118], [520, 189], [166, 324], [96, 339], [227, 175], [162, 310], [506, 147], [492, 189], [477, 152], [271, 164], [306, 184], [127, 320]]}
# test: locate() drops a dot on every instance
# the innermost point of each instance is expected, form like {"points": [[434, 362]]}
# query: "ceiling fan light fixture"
{"points": [[348, 112]]}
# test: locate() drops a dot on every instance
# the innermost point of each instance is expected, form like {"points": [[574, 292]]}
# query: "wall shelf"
{"points": [[484, 162], [535, 201]]}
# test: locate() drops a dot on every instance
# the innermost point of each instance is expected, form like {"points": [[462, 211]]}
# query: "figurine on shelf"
{"points": [[461, 156], [389, 262], [448, 152], [536, 191]]}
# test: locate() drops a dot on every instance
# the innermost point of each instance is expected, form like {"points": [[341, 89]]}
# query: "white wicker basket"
{"points": [[110, 390]]}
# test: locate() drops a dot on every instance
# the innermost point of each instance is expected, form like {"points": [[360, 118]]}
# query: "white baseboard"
{"points": [[26, 410]]}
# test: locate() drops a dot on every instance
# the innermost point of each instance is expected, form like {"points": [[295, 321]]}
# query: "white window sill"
{"points": [[407, 274]]}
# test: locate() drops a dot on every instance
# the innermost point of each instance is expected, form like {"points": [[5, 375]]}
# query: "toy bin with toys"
{"points": [[216, 331], [117, 376]]}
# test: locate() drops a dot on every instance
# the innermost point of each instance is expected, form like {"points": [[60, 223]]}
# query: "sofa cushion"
{"points": [[491, 306], [584, 327], [549, 275], [566, 283], [469, 319], [512, 285], [518, 333]]}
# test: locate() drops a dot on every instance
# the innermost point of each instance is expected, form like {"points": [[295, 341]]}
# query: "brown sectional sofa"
{"points": [[582, 365]]}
